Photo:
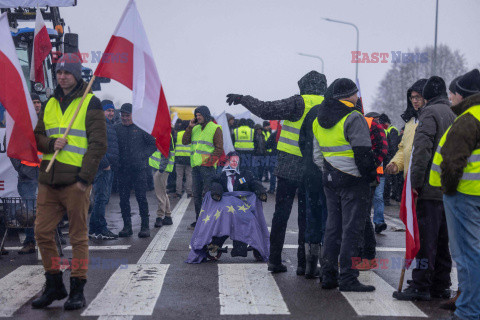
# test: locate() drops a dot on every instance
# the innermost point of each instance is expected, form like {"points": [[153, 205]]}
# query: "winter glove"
{"points": [[234, 98]]}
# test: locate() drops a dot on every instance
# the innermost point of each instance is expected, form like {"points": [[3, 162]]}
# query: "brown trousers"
{"points": [[52, 203]]}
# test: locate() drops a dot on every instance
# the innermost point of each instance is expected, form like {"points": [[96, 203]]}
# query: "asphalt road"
{"points": [[148, 278]]}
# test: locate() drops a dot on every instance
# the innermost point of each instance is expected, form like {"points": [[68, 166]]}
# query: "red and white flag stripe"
{"points": [[41, 49], [408, 215], [15, 98], [130, 62]]}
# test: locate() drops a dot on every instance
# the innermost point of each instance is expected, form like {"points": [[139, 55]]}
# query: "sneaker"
{"points": [[450, 304], [356, 286], [412, 294], [167, 221], [107, 235], [276, 268], [27, 248], [192, 226], [92, 235], [158, 222]]}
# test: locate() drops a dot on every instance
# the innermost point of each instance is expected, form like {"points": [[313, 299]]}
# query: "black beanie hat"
{"points": [[469, 83], [435, 87], [34, 96], [384, 119], [266, 123], [126, 108], [453, 85], [341, 88], [72, 63]]}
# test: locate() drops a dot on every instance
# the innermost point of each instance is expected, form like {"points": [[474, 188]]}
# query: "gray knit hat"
{"points": [[72, 63]]}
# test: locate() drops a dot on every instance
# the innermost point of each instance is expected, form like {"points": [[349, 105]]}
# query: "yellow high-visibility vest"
{"points": [[470, 181], [290, 134], [244, 138], [202, 144], [156, 157], [180, 149], [56, 124], [335, 148]]}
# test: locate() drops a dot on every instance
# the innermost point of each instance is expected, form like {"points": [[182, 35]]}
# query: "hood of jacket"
{"points": [[205, 112], [410, 112], [313, 83], [435, 101], [331, 111], [470, 101]]}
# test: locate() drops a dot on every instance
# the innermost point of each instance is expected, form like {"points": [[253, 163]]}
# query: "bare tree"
{"points": [[391, 97]]}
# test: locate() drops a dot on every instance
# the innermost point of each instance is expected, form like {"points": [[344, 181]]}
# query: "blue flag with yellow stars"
{"points": [[238, 215]]}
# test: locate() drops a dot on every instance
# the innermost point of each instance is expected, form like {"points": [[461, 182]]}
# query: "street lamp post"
{"points": [[313, 56], [358, 39], [435, 45]]}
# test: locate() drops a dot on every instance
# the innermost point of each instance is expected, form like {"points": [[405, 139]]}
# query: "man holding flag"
{"points": [[66, 186], [431, 276]]}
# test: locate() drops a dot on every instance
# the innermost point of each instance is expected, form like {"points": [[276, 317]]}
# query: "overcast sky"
{"points": [[205, 49]]}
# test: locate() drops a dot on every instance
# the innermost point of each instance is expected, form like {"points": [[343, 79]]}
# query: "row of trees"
{"points": [[391, 97]]}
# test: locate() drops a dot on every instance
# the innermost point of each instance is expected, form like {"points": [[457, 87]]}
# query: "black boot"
{"points": [[54, 290], [311, 270], [145, 229], [76, 299], [127, 228], [301, 262]]}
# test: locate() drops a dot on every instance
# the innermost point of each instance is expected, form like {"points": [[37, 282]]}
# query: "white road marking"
{"points": [[380, 302], [249, 289], [156, 249], [390, 249], [100, 248], [18, 287], [134, 290], [130, 291]]}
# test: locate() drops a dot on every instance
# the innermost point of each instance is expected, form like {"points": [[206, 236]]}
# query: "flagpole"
{"points": [[402, 275], [71, 121]]}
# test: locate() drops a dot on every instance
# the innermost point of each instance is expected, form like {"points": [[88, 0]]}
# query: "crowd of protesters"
{"points": [[339, 162]]}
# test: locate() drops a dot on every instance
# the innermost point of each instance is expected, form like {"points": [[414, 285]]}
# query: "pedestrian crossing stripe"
{"points": [[249, 289], [18, 287]]}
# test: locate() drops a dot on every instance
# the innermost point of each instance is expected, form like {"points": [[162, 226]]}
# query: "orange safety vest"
{"points": [[369, 121], [33, 164]]}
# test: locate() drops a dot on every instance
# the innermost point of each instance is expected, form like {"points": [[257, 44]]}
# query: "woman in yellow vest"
{"points": [[456, 168]]}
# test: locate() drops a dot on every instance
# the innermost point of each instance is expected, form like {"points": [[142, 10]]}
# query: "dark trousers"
{"points": [[369, 241], [393, 187], [201, 179], [433, 260], [347, 208], [273, 178], [128, 179], [286, 191], [102, 187], [316, 207], [28, 190]]}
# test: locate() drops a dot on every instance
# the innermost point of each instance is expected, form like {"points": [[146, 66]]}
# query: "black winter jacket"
{"points": [[135, 147], [433, 120], [111, 158], [252, 184]]}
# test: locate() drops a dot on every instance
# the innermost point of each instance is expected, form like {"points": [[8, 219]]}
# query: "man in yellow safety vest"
{"points": [[290, 165], [66, 187]]}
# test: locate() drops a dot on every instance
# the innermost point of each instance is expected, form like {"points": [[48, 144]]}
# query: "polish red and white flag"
{"points": [[408, 215], [41, 49], [15, 98], [128, 59]]}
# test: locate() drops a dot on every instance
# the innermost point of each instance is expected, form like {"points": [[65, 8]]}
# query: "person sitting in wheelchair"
{"points": [[232, 179]]}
